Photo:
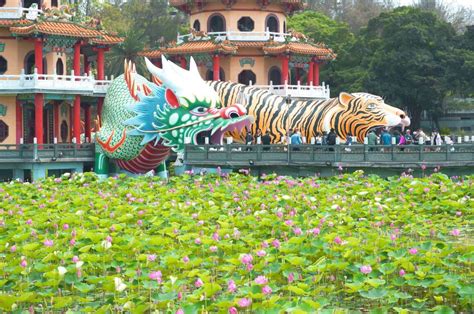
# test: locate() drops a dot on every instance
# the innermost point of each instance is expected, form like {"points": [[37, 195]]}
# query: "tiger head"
{"points": [[362, 112]]}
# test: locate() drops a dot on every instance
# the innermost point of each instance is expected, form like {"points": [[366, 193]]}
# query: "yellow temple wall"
{"points": [[9, 118], [18, 3], [240, 9]]}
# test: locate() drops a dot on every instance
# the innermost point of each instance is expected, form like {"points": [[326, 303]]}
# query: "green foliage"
{"points": [[110, 238]]}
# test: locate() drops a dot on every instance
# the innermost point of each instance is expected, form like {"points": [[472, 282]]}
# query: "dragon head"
{"points": [[184, 109]]}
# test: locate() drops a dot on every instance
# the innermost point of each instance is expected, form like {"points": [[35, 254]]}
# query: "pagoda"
{"points": [[52, 80], [248, 42]]}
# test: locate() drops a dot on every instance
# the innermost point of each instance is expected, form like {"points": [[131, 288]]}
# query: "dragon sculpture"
{"points": [[142, 120]]}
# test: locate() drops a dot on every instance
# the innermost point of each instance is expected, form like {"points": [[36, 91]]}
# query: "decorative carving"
{"points": [[197, 34], [297, 35], [249, 61]]}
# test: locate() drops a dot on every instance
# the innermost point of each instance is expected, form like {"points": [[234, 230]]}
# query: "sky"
{"points": [[454, 3]]}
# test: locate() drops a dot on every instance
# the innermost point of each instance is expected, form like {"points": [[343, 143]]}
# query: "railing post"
{"points": [[74, 147], [447, 151], [259, 152], [55, 146], [35, 149], [421, 147]]}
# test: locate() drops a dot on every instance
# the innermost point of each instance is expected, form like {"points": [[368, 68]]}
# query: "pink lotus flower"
{"points": [[244, 302], [13, 248], [65, 226], [140, 222], [29, 222], [72, 242], [79, 273], [155, 275], [366, 269], [316, 231], [266, 290], [151, 257], [249, 267], [246, 259], [215, 236], [393, 237], [213, 248], [231, 286], [197, 241], [402, 272], [279, 214], [75, 259], [413, 251], [23, 262], [455, 232], [276, 243], [261, 253], [289, 222], [198, 283], [233, 310], [291, 277], [108, 239], [459, 213], [48, 242], [297, 231], [261, 280], [186, 259], [179, 311], [337, 240]]}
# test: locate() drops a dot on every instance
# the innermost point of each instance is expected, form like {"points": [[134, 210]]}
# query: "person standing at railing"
{"points": [[386, 139], [372, 140], [296, 139], [266, 140], [318, 139], [258, 137], [248, 139], [331, 139]]}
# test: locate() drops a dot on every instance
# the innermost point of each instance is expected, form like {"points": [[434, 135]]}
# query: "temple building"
{"points": [[248, 42], [52, 80]]}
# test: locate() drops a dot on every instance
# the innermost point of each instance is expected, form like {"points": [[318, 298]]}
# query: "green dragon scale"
{"points": [[142, 121]]}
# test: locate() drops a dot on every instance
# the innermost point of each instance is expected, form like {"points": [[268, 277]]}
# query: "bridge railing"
{"points": [[37, 152], [316, 154]]}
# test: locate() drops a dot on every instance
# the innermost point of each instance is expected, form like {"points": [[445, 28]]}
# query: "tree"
{"points": [[407, 59]]}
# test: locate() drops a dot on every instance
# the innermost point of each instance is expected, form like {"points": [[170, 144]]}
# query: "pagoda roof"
{"points": [[65, 28], [13, 22], [318, 50]]}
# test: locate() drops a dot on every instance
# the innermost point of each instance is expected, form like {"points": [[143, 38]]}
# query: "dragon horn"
{"points": [[193, 67]]}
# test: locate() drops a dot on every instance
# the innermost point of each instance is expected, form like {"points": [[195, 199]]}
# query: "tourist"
{"points": [[266, 140], [258, 136], [318, 139], [348, 139], [408, 137], [422, 138], [331, 139], [296, 139], [436, 138], [397, 137], [249, 139], [386, 138], [324, 138], [372, 140]]}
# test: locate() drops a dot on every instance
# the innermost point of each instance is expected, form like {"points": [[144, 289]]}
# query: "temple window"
{"points": [[30, 63], [245, 24], [272, 24], [3, 65], [274, 75], [27, 3], [54, 3], [216, 23], [3, 131], [197, 25], [2, 3], [246, 77], [59, 67], [210, 75]]}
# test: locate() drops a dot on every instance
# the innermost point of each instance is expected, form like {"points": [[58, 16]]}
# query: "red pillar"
{"points": [[71, 122], [182, 61], [39, 100], [87, 122], [77, 99], [39, 55], [19, 122], [284, 69], [310, 73], [316, 74], [100, 64], [216, 68], [100, 77]]}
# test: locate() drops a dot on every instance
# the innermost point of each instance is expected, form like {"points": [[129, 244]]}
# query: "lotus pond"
{"points": [[234, 244]]}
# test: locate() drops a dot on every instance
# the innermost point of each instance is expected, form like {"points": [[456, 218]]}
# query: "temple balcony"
{"points": [[298, 91], [19, 12], [53, 84], [236, 36]]}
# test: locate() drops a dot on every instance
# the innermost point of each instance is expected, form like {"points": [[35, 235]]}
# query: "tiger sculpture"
{"points": [[354, 114]]}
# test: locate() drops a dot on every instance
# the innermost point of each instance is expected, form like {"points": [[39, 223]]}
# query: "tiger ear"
{"points": [[344, 98]]}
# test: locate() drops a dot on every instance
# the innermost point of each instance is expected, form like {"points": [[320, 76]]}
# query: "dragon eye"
{"points": [[199, 111], [371, 106]]}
